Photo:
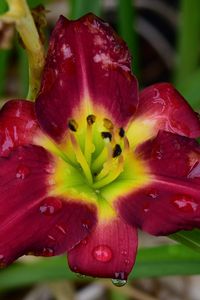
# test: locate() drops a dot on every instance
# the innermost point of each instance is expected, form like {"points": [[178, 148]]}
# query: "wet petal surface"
{"points": [[18, 125], [161, 107], [87, 69], [32, 221], [171, 201], [109, 251]]}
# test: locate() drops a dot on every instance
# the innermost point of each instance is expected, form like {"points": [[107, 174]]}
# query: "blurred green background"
{"points": [[164, 39]]}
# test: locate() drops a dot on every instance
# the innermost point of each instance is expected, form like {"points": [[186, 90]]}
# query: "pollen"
{"points": [[99, 155], [108, 124], [72, 125], [91, 119], [106, 135], [117, 150]]}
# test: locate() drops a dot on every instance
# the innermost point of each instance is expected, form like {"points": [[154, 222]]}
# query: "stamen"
{"points": [[81, 158], [108, 124], [121, 132], [112, 174], [91, 119], [73, 126], [117, 151], [126, 145], [89, 146], [105, 170], [98, 162], [106, 135]]}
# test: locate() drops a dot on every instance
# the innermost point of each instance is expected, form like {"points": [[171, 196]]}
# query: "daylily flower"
{"points": [[92, 160]]}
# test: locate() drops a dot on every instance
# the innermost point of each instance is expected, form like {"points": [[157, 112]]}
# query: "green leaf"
{"points": [[189, 238], [190, 89], [117, 296], [188, 40], [126, 25], [150, 262], [4, 57], [80, 7], [3, 6]]}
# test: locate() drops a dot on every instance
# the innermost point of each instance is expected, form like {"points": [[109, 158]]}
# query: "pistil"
{"points": [[78, 152], [113, 174], [89, 146]]}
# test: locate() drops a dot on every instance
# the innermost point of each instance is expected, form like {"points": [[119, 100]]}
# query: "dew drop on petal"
{"points": [[127, 262], [152, 193], [22, 172], [1, 257], [47, 252], [146, 206], [124, 252], [84, 242], [51, 237], [50, 169], [102, 253], [119, 279], [61, 229], [50, 206], [185, 203], [79, 275], [86, 224]]}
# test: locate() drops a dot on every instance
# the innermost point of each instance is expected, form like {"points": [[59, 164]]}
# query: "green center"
{"points": [[99, 155]]}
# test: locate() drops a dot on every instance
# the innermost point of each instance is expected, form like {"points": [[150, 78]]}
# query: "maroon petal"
{"points": [[31, 220], [171, 202], [109, 251], [161, 107], [87, 65], [18, 125]]}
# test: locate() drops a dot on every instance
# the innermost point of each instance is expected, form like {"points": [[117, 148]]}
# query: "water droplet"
{"points": [[61, 229], [22, 172], [1, 257], [86, 224], [119, 279], [74, 268], [185, 203], [47, 252], [84, 242], [146, 206], [157, 152], [153, 193], [79, 275], [51, 181], [127, 262], [50, 206], [124, 252], [51, 237], [50, 169], [102, 253]]}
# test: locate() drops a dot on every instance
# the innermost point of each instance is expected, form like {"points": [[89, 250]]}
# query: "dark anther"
{"points": [[73, 126], [106, 135], [91, 119], [121, 132], [117, 150], [108, 124]]}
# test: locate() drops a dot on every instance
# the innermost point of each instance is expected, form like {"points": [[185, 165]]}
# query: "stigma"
{"points": [[101, 156]]}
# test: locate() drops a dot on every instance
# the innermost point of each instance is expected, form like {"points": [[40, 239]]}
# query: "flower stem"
{"points": [[19, 13]]}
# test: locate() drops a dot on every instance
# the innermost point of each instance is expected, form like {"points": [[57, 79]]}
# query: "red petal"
{"points": [[86, 61], [172, 201], [31, 221], [161, 107], [18, 125], [109, 251]]}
